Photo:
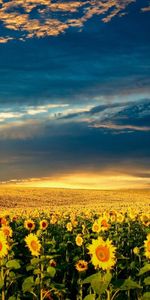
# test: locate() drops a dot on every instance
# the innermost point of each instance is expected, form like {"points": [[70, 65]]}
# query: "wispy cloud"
{"points": [[121, 127]]}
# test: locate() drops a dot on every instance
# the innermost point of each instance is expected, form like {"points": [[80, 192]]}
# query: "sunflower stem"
{"points": [[2, 277], [108, 295], [41, 279], [80, 293]]}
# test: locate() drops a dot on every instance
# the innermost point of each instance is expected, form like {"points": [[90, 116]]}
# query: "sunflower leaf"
{"points": [[35, 261], [13, 264], [147, 280], [28, 284], [99, 282], [129, 284], [146, 296], [145, 269], [90, 297]]}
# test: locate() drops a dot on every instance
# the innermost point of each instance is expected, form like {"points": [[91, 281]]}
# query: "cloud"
{"points": [[30, 121], [146, 9], [47, 18], [121, 127], [4, 40]]}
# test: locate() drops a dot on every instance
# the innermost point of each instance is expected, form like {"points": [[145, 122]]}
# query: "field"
{"points": [[45, 197], [74, 244]]}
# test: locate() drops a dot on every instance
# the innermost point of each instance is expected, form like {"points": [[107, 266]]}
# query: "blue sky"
{"points": [[74, 89]]}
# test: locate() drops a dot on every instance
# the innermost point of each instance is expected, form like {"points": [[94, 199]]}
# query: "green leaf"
{"points": [[37, 281], [12, 298], [90, 297], [1, 284], [12, 275], [28, 284], [129, 284], [35, 261], [147, 280], [51, 271], [99, 282], [146, 296], [13, 264], [90, 278], [29, 268], [37, 271], [145, 269]]}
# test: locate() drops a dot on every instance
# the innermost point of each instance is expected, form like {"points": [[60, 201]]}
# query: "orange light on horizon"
{"points": [[87, 181]]}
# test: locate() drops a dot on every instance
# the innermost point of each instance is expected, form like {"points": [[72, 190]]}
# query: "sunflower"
{"points": [[3, 245], [103, 253], [120, 218], [81, 265], [136, 250], [96, 227], [74, 223], [69, 226], [3, 221], [145, 219], [33, 244], [113, 218], [53, 219], [103, 222], [147, 246], [29, 224], [43, 224], [7, 230], [79, 240], [52, 263]]}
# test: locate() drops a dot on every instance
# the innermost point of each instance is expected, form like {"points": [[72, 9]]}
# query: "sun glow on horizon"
{"points": [[86, 181]]}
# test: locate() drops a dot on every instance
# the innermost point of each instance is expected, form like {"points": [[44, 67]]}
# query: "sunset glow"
{"points": [[86, 181]]}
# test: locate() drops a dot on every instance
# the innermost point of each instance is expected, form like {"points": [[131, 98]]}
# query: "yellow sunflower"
{"points": [[145, 219], [120, 218], [79, 240], [113, 218], [3, 245], [69, 226], [103, 222], [96, 227], [3, 221], [43, 224], [33, 244], [29, 224], [147, 246], [102, 253], [7, 231], [136, 250], [81, 265], [53, 219]]}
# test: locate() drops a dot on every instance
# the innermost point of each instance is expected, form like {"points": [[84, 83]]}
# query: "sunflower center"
{"points": [[104, 223], [148, 246], [96, 227], [102, 253], [34, 245], [82, 265], [6, 232], [1, 246], [30, 225], [44, 224]]}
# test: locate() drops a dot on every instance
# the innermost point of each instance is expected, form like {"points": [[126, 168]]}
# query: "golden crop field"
{"points": [[18, 196], [59, 244]]}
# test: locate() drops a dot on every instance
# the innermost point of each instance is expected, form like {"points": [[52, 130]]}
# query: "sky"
{"points": [[75, 93]]}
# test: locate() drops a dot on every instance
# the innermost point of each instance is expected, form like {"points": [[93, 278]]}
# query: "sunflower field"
{"points": [[74, 254]]}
